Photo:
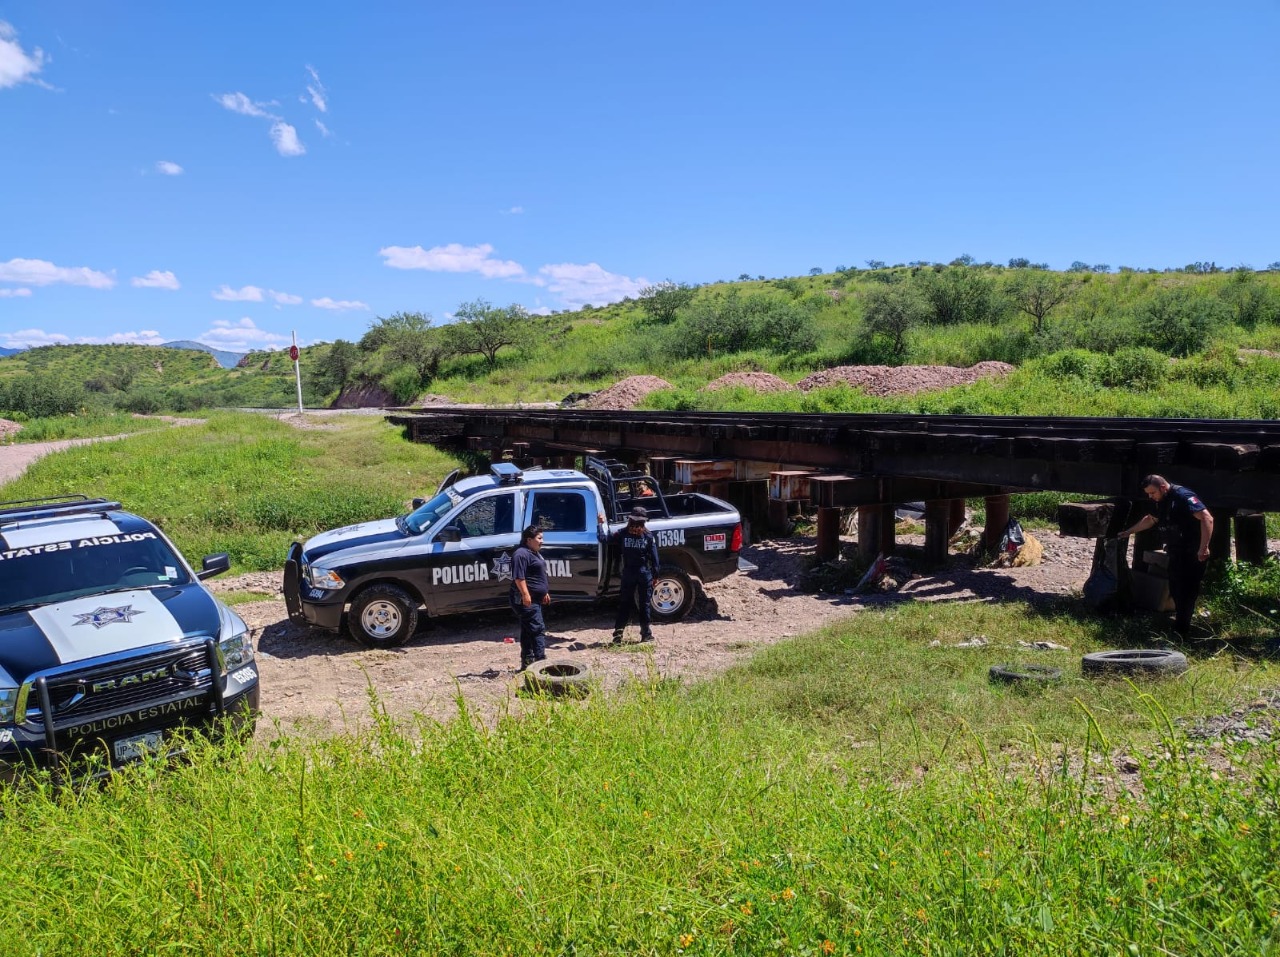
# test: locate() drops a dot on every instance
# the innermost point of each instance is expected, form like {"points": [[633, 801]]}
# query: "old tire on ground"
{"points": [[1029, 674], [1134, 661], [673, 594], [560, 678], [383, 616]]}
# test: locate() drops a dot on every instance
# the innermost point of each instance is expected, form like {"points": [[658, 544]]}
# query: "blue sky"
{"points": [[237, 171]]}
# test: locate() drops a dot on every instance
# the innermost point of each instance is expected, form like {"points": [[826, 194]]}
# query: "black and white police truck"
{"points": [[452, 554], [109, 641]]}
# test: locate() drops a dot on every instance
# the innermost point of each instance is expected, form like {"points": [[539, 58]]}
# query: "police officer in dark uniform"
{"points": [[638, 549], [1186, 527], [529, 592]]}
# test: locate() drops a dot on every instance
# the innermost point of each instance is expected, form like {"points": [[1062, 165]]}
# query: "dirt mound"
{"points": [[364, 396], [8, 430], [755, 381], [902, 380], [626, 394]]}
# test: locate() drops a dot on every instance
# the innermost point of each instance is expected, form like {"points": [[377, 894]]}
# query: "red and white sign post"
{"points": [[297, 375]]}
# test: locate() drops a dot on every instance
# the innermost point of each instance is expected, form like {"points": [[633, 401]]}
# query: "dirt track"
{"points": [[316, 682]]}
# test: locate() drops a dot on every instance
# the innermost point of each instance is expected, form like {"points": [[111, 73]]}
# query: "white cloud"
{"points": [[31, 338], [285, 138], [169, 169], [327, 303], [157, 280], [239, 103], [451, 258], [245, 294], [316, 91], [38, 272], [16, 64], [515, 210], [581, 283], [147, 337], [284, 298], [7, 293], [324, 130], [240, 336]]}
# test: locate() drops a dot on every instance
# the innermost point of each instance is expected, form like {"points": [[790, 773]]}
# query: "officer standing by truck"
{"points": [[637, 548], [529, 592]]}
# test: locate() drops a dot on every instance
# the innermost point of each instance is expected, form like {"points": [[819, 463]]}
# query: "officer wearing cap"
{"points": [[1186, 527], [638, 549]]}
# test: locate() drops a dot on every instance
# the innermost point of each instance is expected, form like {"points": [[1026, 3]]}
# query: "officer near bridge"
{"points": [[638, 551], [1186, 527]]}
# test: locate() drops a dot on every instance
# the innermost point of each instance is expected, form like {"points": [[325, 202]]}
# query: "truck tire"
{"points": [[1134, 661], [558, 678], [1017, 673], [673, 594], [382, 616]]}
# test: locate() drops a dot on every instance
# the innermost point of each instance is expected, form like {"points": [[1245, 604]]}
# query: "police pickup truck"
{"points": [[453, 554], [108, 640]]}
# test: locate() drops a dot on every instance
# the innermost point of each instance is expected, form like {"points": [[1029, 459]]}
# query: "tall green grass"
{"points": [[247, 484], [666, 820]]}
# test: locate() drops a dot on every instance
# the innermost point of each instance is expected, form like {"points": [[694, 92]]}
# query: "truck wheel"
{"points": [[1134, 661], [673, 594], [382, 616]]}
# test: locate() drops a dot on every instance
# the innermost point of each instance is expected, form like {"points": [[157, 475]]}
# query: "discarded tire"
{"points": [[559, 678], [1016, 674], [1134, 661]]}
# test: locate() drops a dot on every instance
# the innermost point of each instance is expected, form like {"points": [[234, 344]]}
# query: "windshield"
{"points": [[424, 516], [59, 571]]}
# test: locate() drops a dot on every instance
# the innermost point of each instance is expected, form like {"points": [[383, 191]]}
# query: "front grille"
{"points": [[123, 685]]}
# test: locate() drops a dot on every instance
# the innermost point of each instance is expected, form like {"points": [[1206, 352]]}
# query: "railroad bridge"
{"points": [[765, 462]]}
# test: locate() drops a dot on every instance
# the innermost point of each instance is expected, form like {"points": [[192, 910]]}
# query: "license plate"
{"points": [[138, 745]]}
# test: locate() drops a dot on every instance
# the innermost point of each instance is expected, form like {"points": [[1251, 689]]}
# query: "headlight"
{"points": [[324, 578], [236, 650], [8, 701]]}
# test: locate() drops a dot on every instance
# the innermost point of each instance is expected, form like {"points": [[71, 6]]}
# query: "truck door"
{"points": [[567, 518], [474, 572]]}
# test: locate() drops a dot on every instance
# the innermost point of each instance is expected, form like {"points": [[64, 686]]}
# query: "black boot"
{"points": [[646, 636], [617, 636]]}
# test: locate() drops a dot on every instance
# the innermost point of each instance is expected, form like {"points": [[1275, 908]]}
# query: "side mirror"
{"points": [[418, 503], [449, 533], [214, 565]]}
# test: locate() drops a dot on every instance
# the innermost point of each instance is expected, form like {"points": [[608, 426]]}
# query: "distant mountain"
{"points": [[9, 352], [227, 360]]}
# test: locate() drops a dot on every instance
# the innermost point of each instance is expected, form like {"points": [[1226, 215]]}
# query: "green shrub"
{"points": [[404, 383], [1070, 364], [40, 396], [1139, 369], [1179, 321]]}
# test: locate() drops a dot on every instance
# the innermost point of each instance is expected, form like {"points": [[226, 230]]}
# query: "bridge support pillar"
{"points": [[1220, 543], [828, 534], [1251, 537], [937, 531], [957, 516], [997, 519], [875, 531]]}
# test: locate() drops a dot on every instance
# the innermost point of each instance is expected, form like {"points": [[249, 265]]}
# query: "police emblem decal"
{"points": [[502, 567], [101, 617]]}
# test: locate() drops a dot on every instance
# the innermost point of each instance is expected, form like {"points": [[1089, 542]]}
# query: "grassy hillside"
{"points": [[1100, 342]]}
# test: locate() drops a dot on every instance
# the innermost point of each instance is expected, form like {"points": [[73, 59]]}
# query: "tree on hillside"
{"points": [[483, 329], [336, 365], [957, 295], [1038, 294], [815, 271], [663, 300], [893, 311], [383, 330]]}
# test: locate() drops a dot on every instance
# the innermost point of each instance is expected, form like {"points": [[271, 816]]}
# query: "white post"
{"points": [[297, 374]]}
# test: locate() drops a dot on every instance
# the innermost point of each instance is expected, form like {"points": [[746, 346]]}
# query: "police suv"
{"points": [[108, 639], [453, 554]]}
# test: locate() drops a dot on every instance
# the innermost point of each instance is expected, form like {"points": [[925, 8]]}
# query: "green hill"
{"points": [[1081, 337]]}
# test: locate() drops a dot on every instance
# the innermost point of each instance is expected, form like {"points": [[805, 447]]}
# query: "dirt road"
{"points": [[316, 682]]}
